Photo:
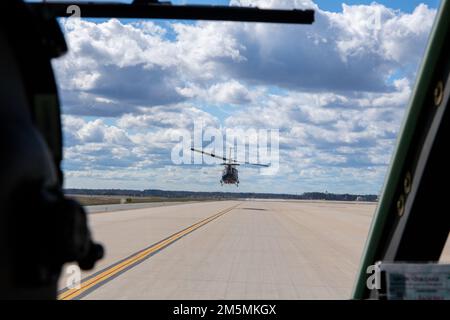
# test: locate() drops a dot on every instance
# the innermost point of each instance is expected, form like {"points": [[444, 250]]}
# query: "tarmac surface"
{"points": [[227, 250]]}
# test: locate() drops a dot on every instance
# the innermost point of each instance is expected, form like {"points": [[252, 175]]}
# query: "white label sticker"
{"points": [[417, 281]]}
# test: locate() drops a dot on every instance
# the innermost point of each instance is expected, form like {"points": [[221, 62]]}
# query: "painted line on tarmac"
{"points": [[101, 277]]}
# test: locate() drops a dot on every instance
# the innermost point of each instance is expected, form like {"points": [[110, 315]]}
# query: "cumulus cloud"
{"points": [[177, 116], [357, 49], [336, 90], [135, 64], [229, 92], [113, 67]]}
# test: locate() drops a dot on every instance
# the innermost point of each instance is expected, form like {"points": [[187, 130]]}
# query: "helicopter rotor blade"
{"points": [[250, 163], [257, 164], [210, 154], [227, 161]]}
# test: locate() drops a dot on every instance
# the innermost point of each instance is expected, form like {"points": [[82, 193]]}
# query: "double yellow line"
{"points": [[102, 277]]}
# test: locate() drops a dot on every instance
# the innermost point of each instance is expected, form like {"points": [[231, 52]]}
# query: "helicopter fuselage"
{"points": [[230, 172], [230, 175]]}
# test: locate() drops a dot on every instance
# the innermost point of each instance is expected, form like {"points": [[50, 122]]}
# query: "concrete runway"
{"points": [[130, 206], [243, 250]]}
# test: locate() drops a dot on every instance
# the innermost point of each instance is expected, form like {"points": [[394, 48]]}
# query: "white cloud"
{"points": [[229, 92], [135, 64], [341, 51], [175, 116], [336, 90]]}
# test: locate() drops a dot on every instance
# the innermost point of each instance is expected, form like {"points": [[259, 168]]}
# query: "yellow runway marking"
{"points": [[115, 269]]}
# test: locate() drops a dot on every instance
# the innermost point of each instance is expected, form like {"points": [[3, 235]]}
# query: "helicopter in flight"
{"points": [[230, 172]]}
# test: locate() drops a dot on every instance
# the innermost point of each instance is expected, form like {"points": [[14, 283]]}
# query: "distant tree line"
{"points": [[222, 195]]}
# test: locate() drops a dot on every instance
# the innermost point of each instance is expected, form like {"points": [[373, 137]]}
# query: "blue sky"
{"points": [[403, 5], [130, 90], [335, 6]]}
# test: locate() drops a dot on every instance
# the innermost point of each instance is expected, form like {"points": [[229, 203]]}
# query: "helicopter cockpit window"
{"points": [[261, 147]]}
